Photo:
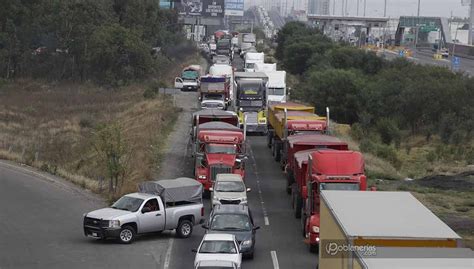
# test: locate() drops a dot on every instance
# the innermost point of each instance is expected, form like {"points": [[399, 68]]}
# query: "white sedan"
{"points": [[222, 247]]}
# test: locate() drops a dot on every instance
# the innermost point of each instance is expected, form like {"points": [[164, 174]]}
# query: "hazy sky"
{"points": [[440, 8]]}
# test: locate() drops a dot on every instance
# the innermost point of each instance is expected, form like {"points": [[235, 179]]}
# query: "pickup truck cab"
{"points": [[160, 205]]}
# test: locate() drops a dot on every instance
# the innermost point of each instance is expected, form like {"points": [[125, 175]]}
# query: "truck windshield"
{"points": [[250, 91], [276, 91], [190, 75], [230, 186], [250, 65], [340, 186], [218, 247], [128, 203], [230, 222], [222, 149]]}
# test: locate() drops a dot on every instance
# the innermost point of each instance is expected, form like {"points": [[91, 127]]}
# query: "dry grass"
{"points": [[51, 127]]}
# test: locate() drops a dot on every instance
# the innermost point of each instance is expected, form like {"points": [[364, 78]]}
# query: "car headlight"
{"points": [[114, 223], [315, 229], [262, 121], [247, 243], [202, 177]]}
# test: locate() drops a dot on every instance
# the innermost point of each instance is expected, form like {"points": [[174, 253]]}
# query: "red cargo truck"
{"points": [[296, 143], [219, 148], [328, 170]]}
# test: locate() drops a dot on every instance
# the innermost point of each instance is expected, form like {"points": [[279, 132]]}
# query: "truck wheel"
{"points": [[269, 139], [314, 248], [292, 195], [127, 234], [298, 205], [289, 181], [303, 225], [277, 152], [184, 229]]}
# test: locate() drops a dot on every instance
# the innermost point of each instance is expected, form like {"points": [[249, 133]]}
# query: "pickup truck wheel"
{"points": [[127, 234], [185, 229]]}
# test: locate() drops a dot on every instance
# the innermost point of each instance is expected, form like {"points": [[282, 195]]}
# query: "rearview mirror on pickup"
{"points": [[146, 210], [204, 226], [194, 250], [249, 189]]}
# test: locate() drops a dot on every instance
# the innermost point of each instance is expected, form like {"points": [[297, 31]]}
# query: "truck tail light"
{"points": [[202, 211]]}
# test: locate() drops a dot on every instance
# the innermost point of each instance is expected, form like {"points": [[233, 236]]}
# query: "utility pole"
{"points": [[345, 13], [358, 7], [471, 22], [365, 7], [333, 7], [342, 8], [385, 9]]}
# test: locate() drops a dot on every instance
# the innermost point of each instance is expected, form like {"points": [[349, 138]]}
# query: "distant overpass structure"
{"points": [[339, 26]]}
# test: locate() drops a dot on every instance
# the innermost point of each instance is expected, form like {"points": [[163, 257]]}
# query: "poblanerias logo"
{"points": [[333, 248]]}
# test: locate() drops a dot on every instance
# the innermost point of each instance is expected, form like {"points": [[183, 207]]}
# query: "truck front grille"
{"points": [[252, 118], [219, 169], [95, 222]]}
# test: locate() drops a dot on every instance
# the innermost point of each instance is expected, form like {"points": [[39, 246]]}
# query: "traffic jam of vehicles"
{"points": [[234, 104]]}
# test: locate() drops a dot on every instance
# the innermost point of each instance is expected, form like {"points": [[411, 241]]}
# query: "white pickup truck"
{"points": [[158, 206]]}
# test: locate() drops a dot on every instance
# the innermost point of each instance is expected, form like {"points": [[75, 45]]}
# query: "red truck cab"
{"points": [[296, 143], [329, 170], [220, 148]]}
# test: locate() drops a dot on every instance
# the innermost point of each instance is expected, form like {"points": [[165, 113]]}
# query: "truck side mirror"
{"points": [[249, 189], [194, 250], [146, 210], [211, 189], [204, 226]]}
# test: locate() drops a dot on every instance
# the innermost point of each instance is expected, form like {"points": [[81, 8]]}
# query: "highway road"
{"points": [[426, 58], [277, 20], [279, 242], [41, 227], [41, 217]]}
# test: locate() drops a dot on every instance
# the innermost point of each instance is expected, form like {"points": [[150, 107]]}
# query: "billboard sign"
{"points": [[234, 7], [189, 7], [213, 8]]}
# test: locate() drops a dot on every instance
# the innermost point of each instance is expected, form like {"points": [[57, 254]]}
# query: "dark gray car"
{"points": [[236, 220]]}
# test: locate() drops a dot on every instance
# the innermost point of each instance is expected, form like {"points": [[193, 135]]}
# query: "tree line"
{"points": [[107, 41], [384, 101]]}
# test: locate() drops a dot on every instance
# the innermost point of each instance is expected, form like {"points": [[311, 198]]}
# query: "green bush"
{"points": [[388, 130]]}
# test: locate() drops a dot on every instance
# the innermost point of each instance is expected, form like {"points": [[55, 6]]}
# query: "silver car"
{"points": [[229, 189]]}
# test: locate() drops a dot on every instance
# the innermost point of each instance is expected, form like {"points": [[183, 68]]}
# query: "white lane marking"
{"points": [[260, 196], [275, 259], [166, 265]]}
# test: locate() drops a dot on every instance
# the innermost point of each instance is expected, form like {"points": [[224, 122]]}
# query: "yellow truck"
{"points": [[366, 227], [285, 119]]}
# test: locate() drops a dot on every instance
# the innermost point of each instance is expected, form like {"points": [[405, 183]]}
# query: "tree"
{"points": [[113, 153]]}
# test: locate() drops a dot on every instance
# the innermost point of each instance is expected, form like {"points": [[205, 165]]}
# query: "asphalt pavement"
{"points": [[279, 242], [426, 58], [41, 217], [41, 227]]}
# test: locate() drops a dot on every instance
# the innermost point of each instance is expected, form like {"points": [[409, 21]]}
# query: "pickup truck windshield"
{"points": [[340, 186], [230, 186], [209, 247], [191, 75], [128, 203], [222, 149], [230, 222]]}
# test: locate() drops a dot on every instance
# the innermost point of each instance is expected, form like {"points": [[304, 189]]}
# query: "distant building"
{"points": [[319, 7]]}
